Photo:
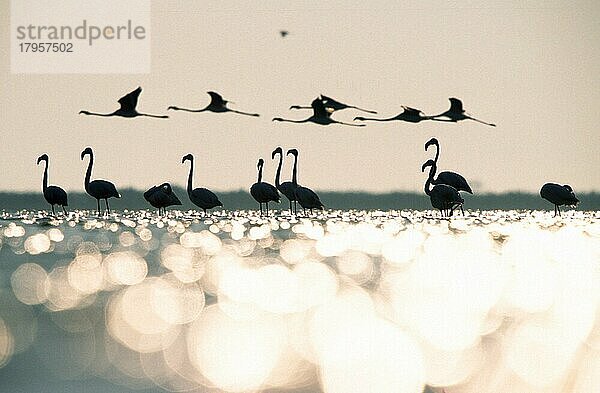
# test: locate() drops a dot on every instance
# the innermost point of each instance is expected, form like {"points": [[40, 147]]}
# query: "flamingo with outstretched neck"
{"points": [[457, 113], [128, 107], [333, 105], [443, 197], [217, 104], [287, 188], [320, 116], [408, 114], [201, 197], [54, 195], [306, 197], [99, 189], [263, 192], [453, 179]]}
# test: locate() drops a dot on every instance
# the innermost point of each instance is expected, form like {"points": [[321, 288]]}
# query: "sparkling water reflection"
{"points": [[341, 301]]}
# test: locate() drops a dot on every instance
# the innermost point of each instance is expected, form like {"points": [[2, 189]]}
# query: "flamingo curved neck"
{"points": [[297, 121], [101, 114], [260, 167], [88, 173], [429, 181], [190, 176], [437, 152], [45, 180], [295, 171], [278, 174]]}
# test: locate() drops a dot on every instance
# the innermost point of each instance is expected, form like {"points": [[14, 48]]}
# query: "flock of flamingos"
{"points": [[443, 190]]}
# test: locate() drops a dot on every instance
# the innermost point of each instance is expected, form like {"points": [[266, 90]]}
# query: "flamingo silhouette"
{"points": [[263, 192], [217, 104], [54, 195], [287, 187], [320, 116], [408, 114], [306, 197], [99, 189], [559, 195], [457, 113], [201, 197], [446, 177], [161, 197], [443, 197], [333, 105], [128, 103]]}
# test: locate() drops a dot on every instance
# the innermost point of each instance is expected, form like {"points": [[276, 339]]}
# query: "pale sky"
{"points": [[531, 67]]}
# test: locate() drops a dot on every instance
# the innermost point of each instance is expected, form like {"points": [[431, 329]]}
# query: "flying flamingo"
{"points": [[332, 104], [54, 195], [201, 197], [263, 192], [320, 116], [99, 189], [446, 177], [287, 187], [306, 197], [161, 197], [128, 103], [559, 195], [408, 114], [443, 197], [457, 113], [217, 104]]}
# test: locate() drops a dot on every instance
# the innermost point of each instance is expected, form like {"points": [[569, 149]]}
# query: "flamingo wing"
{"points": [[129, 101], [456, 105], [216, 99]]}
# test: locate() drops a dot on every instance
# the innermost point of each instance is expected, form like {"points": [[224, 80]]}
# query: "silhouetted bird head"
{"points": [[279, 150], [428, 163], [359, 118], [283, 33], [43, 157], [261, 162], [84, 112], [88, 150], [277, 119], [187, 157], [294, 152], [432, 141]]}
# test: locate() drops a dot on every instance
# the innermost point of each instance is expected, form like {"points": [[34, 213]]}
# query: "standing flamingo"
{"points": [[128, 103], [446, 177], [201, 197], [559, 195], [306, 197], [54, 195], [443, 197], [457, 113], [332, 104], [99, 189], [217, 104], [320, 116], [408, 114], [286, 188], [161, 197], [263, 192]]}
